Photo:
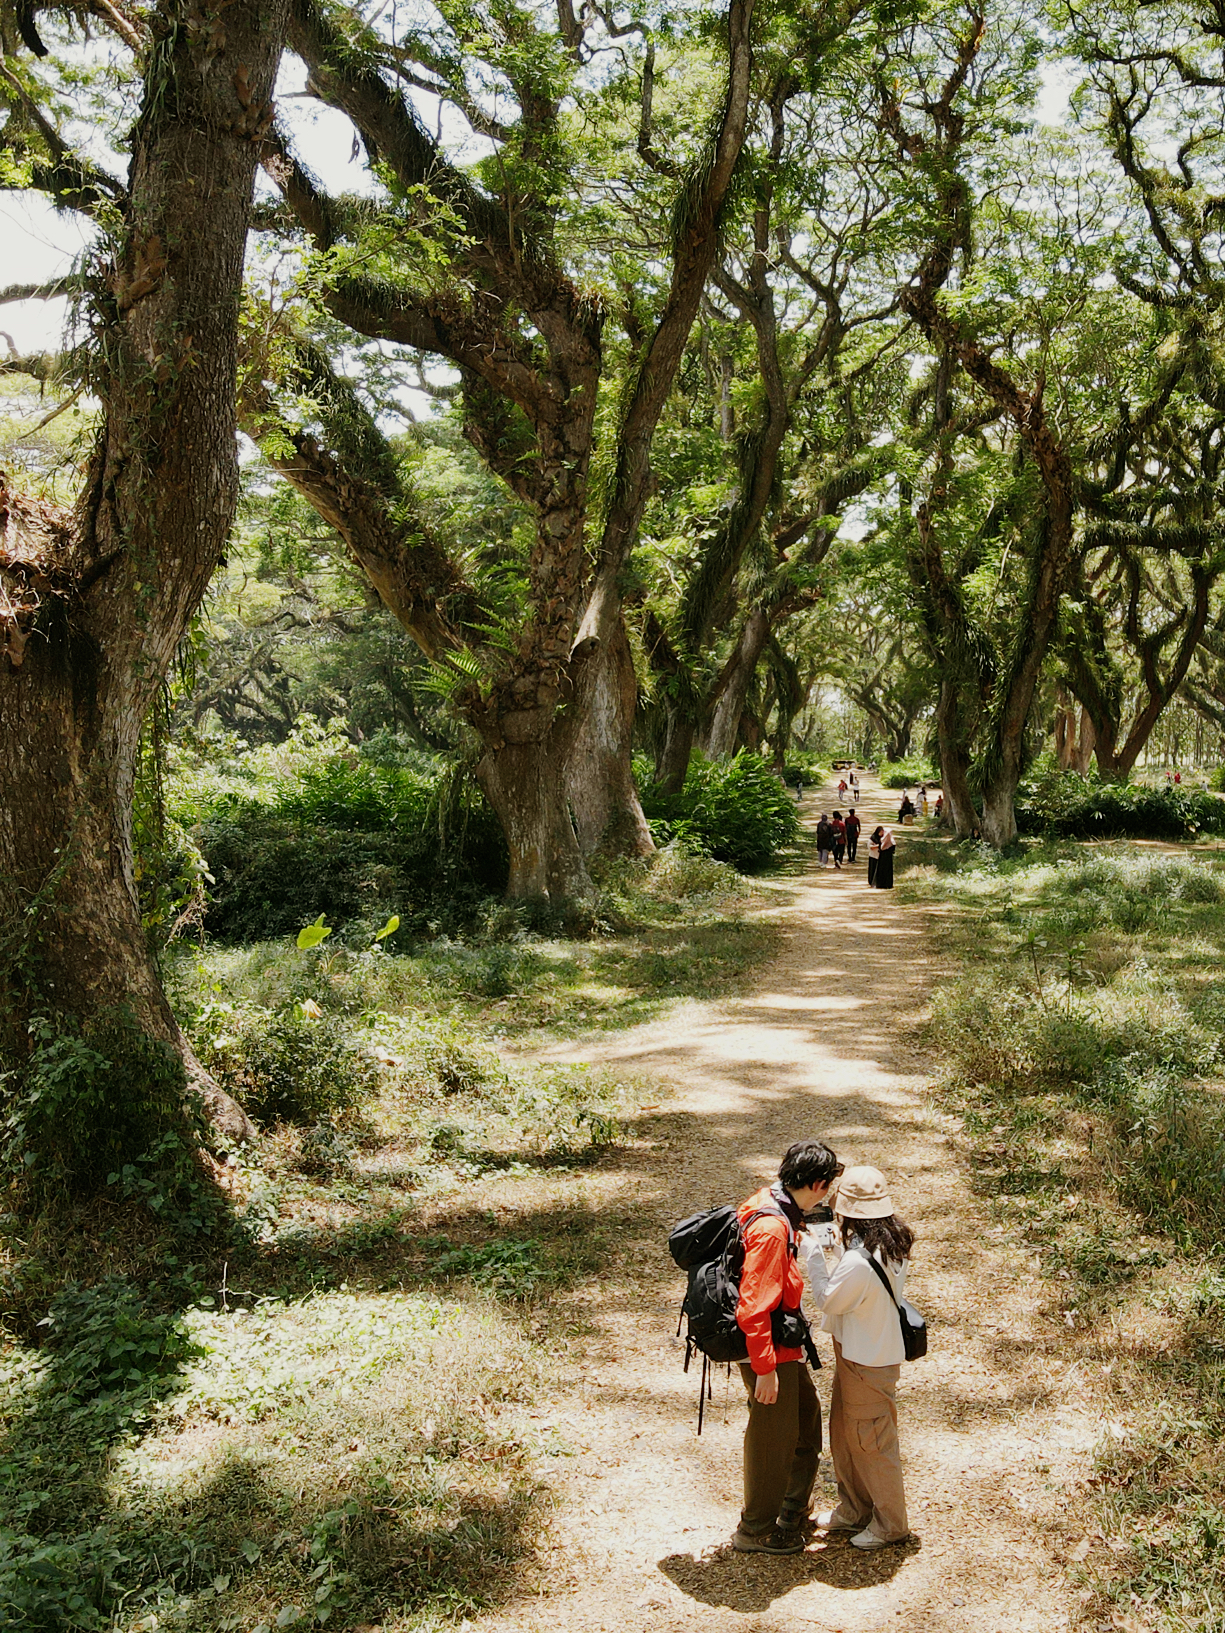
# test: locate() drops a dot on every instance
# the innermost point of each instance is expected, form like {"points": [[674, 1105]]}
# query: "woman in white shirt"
{"points": [[868, 1350]]}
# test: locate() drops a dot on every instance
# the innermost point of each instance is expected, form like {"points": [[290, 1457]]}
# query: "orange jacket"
{"points": [[770, 1277]]}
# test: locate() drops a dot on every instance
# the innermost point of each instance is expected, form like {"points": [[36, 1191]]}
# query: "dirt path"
{"points": [[994, 1426]]}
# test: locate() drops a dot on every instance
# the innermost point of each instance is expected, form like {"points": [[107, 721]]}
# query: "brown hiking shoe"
{"points": [[777, 1541]]}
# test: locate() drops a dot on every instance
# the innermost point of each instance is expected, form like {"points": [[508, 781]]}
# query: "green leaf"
{"points": [[390, 928], [250, 1550], [288, 1615], [313, 934]]}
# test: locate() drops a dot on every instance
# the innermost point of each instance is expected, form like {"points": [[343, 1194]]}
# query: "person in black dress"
{"points": [[884, 867]]}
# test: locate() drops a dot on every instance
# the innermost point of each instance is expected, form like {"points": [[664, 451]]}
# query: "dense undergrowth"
{"points": [[1083, 1040], [298, 1393], [909, 773], [735, 811], [257, 842], [1061, 805]]}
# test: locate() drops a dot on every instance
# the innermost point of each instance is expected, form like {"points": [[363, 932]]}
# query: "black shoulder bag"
{"points": [[914, 1328]]}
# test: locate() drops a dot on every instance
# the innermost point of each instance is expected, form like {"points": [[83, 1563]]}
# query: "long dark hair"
{"points": [[892, 1237]]}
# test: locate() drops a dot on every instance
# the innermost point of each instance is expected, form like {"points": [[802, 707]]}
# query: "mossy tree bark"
{"points": [[93, 605]]}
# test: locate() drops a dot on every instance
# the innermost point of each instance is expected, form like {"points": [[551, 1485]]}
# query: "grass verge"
{"points": [[1082, 1040], [313, 1407]]}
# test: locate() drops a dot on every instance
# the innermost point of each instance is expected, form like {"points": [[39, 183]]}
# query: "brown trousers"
{"points": [[781, 1446], [864, 1445]]}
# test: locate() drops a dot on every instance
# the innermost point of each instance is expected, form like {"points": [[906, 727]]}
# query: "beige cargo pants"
{"points": [[864, 1445]]}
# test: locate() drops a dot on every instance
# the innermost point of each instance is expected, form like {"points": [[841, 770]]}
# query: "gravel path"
{"points": [[994, 1423]]}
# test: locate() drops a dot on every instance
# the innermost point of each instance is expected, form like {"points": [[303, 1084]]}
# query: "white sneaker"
{"points": [[869, 1539], [827, 1522]]}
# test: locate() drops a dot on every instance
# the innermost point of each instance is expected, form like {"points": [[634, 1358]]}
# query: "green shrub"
{"points": [[361, 798], [356, 842], [1062, 804], [107, 1339], [814, 769], [909, 773], [676, 874], [82, 1105], [511, 1267], [285, 1067], [1156, 878], [735, 811]]}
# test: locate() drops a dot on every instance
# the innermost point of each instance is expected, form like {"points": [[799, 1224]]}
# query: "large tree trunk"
{"points": [[734, 685], [1160, 689], [1085, 747], [1074, 735], [999, 812], [526, 785], [954, 763], [680, 733], [68, 754], [599, 776], [528, 344], [95, 607]]}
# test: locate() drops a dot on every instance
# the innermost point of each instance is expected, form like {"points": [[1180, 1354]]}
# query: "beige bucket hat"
{"points": [[862, 1194]]}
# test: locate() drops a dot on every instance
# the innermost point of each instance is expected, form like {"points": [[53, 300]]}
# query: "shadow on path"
{"points": [[751, 1582]]}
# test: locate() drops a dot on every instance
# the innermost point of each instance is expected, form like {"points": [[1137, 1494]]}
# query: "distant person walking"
{"points": [[839, 831], [841, 792], [884, 867], [855, 788], [873, 856], [852, 835], [825, 840], [923, 800]]}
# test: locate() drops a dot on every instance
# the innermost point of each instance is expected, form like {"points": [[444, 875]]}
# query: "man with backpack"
{"points": [[782, 1440], [839, 832], [825, 839]]}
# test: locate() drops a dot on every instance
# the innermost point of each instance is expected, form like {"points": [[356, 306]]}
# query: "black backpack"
{"points": [[710, 1247]]}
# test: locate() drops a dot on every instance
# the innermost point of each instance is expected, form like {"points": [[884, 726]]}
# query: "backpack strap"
{"points": [[774, 1213], [885, 1282]]}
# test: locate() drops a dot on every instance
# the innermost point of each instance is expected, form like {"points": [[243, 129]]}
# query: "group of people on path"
{"points": [[838, 836], [856, 1292], [910, 808]]}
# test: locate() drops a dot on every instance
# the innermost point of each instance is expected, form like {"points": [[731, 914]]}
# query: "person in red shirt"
{"points": [[782, 1439], [852, 835], [839, 828]]}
